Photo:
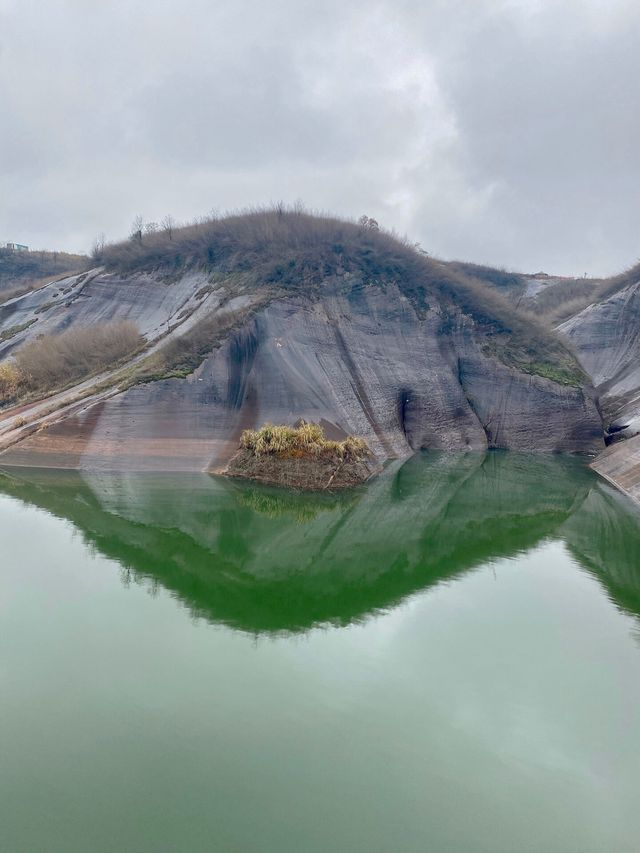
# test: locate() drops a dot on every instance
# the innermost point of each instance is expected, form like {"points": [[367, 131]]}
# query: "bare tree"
{"points": [[136, 228], [151, 228], [98, 246], [368, 222], [168, 224]]}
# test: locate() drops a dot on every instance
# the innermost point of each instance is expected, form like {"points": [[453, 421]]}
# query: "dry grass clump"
{"points": [[10, 381], [54, 361], [305, 441]]}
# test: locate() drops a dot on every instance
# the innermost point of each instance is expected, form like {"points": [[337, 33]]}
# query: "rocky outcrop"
{"points": [[359, 360]]}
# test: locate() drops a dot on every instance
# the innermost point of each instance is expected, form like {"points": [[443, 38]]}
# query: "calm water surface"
{"points": [[445, 662]]}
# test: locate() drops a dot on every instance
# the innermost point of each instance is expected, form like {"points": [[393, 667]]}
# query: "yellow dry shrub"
{"points": [[11, 379], [302, 441], [51, 361]]}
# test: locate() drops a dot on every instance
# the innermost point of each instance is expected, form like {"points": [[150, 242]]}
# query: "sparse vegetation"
{"points": [[563, 369], [12, 331], [562, 299], [566, 297], [180, 356], [563, 374], [53, 361], [46, 306], [507, 282], [304, 441]]}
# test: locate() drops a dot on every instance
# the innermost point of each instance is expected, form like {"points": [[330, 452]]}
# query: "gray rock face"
{"points": [[152, 303], [606, 339], [620, 464], [362, 362]]}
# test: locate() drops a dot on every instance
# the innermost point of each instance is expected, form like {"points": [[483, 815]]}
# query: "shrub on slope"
{"points": [[53, 361]]}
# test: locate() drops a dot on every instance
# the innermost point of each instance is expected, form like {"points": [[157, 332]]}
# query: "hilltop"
{"points": [[292, 252]]}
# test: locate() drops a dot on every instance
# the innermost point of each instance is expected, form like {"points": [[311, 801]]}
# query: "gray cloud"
{"points": [[502, 131]]}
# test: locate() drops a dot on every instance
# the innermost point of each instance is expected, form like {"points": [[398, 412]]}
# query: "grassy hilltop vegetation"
{"points": [[279, 251]]}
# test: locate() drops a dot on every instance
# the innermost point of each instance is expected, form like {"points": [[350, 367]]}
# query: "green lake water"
{"points": [[445, 661]]}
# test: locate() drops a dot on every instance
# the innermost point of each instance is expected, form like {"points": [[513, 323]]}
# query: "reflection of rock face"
{"points": [[604, 535], [257, 560], [362, 362]]}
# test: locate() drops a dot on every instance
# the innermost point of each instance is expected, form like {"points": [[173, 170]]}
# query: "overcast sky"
{"points": [[501, 131]]}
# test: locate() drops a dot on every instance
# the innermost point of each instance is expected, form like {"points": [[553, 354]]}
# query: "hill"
{"points": [[278, 315]]}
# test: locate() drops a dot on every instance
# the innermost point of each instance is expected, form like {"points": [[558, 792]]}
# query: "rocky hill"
{"points": [[276, 316]]}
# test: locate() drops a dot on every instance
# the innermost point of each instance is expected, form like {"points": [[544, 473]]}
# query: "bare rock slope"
{"points": [[606, 338]]}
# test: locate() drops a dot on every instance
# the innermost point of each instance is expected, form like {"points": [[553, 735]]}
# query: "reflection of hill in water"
{"points": [[264, 560]]}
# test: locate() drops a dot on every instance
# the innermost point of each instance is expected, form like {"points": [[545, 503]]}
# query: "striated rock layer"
{"points": [[606, 338], [361, 361]]}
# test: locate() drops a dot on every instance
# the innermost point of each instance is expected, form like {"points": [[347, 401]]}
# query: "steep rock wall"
{"points": [[362, 362], [606, 339]]}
